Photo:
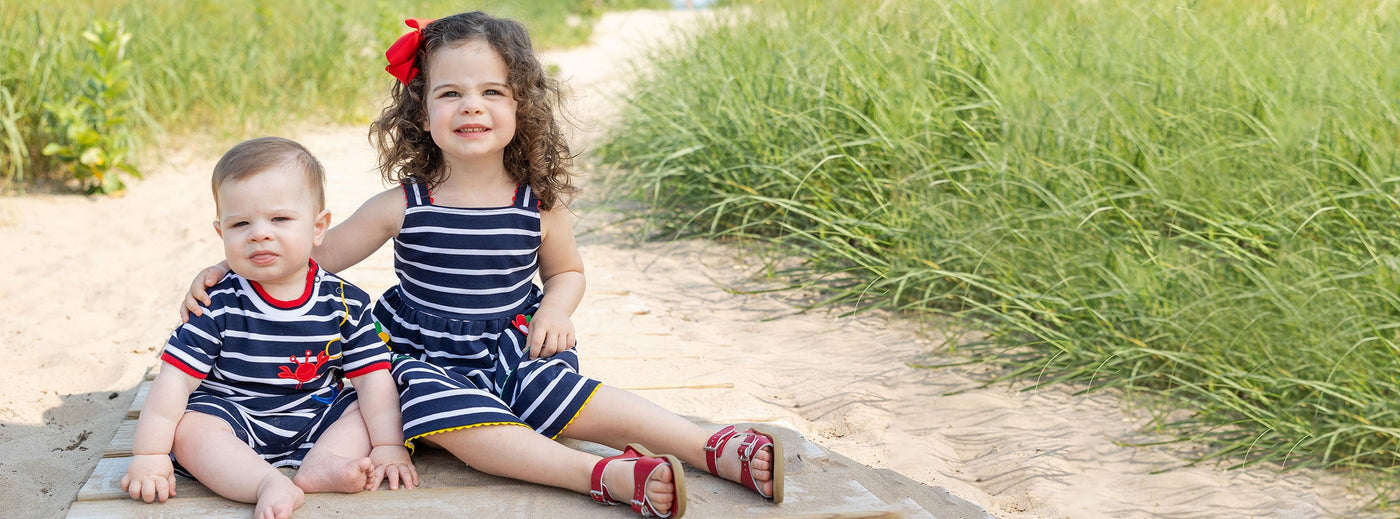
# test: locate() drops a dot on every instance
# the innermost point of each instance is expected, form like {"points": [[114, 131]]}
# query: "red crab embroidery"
{"points": [[305, 371]]}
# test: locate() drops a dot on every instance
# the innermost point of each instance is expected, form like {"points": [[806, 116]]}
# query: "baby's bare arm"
{"points": [[151, 476], [379, 405]]}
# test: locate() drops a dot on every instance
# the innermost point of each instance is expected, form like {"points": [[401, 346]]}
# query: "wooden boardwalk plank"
{"points": [[134, 410], [450, 488], [710, 498], [105, 483], [179, 507], [122, 441], [819, 484]]}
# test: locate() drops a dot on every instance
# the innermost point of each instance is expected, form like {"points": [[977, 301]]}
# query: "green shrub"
{"points": [[93, 125]]}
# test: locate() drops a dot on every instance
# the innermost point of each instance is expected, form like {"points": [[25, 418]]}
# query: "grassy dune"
{"points": [[1198, 200]]}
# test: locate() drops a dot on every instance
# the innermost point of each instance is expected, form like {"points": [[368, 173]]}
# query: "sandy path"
{"points": [[90, 287]]}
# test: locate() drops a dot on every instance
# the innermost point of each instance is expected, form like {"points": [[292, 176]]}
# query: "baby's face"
{"points": [[269, 223]]}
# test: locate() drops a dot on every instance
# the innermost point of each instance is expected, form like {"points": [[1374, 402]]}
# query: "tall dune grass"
{"points": [[229, 67], [1194, 199]]}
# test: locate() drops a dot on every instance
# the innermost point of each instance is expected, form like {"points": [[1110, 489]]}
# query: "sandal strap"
{"points": [[597, 490], [642, 471], [749, 446], [714, 447]]}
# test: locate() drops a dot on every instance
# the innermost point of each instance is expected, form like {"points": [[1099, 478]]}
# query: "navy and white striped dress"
{"points": [[465, 274], [273, 369]]}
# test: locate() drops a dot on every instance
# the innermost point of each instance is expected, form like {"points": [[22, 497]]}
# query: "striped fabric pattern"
{"points": [[463, 275], [274, 371], [468, 263]]}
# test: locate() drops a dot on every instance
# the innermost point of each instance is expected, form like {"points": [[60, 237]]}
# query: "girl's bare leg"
{"points": [[614, 417], [206, 447], [520, 453], [339, 462]]}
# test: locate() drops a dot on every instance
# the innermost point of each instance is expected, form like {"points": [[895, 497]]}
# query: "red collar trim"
{"points": [[288, 305]]}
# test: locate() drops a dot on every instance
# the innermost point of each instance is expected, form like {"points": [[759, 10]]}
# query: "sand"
{"points": [[91, 287]]}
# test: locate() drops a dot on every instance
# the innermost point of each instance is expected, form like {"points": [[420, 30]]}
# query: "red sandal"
{"points": [[647, 464], [753, 441]]}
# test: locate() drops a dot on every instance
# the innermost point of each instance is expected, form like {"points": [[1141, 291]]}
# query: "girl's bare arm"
{"points": [[561, 269], [353, 240]]}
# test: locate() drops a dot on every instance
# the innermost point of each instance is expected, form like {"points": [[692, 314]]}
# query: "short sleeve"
{"points": [[193, 346], [363, 350]]}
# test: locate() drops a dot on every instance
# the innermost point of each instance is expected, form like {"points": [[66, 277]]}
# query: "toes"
{"points": [[762, 469], [661, 490], [663, 484]]}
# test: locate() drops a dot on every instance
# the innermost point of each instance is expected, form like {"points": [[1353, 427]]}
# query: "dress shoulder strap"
{"points": [[525, 197], [415, 194]]}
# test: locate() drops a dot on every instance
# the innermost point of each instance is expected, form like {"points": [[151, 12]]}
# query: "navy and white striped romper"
{"points": [[464, 275], [273, 369]]}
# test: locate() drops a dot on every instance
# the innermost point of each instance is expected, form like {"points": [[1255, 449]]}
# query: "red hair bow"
{"points": [[402, 52]]}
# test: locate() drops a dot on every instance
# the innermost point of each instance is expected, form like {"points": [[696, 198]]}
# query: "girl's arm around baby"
{"points": [[376, 221]]}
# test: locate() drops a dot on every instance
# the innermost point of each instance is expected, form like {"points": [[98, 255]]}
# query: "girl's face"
{"points": [[470, 107]]}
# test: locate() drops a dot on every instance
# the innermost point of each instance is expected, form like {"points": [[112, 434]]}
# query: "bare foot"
{"points": [[277, 497], [661, 489], [761, 466], [331, 473]]}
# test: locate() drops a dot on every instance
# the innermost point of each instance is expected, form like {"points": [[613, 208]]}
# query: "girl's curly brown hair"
{"points": [[538, 154]]}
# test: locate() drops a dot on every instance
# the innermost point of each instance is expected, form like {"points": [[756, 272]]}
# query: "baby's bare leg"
{"points": [[339, 462], [209, 450]]}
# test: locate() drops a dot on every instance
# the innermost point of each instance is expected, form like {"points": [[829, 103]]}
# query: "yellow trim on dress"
{"points": [[580, 410], [409, 442]]}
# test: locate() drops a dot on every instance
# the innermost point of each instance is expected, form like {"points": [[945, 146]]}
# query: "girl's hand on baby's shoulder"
{"points": [[150, 478], [199, 290], [391, 462], [550, 333]]}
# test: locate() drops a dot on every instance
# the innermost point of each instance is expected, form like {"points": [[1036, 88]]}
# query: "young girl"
{"points": [[490, 373]]}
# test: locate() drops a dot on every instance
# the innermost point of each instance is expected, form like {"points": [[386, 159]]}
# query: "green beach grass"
{"points": [[1194, 200], [224, 67]]}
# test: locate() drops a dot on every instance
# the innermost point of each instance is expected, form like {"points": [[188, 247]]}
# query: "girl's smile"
{"points": [[472, 131]]}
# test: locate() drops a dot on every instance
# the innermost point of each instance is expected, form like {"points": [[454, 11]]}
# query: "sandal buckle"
{"points": [[602, 496]]}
